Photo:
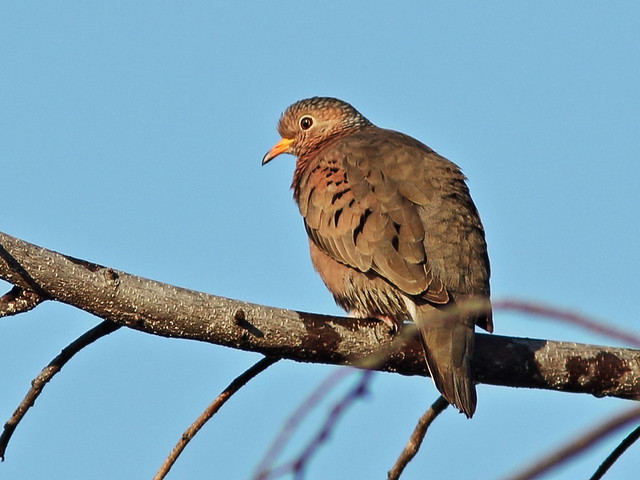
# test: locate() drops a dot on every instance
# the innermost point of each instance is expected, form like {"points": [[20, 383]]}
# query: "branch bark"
{"points": [[171, 311]]}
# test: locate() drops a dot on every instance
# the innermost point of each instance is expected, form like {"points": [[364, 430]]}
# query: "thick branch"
{"points": [[170, 311]]}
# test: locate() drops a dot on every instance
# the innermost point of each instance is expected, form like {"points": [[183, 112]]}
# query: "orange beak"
{"points": [[281, 147]]}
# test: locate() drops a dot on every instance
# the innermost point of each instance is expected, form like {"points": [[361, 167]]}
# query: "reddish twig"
{"points": [[338, 409], [569, 317], [617, 452], [298, 465], [296, 418], [104, 328], [210, 411], [579, 445], [415, 441]]}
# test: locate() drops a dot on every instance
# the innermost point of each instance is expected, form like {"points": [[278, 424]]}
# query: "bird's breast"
{"points": [[359, 293]]}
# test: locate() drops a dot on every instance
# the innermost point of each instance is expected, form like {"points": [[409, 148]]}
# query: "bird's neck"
{"points": [[310, 156], [299, 174]]}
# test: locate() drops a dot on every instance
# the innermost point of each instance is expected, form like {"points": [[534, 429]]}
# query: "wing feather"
{"points": [[360, 204]]}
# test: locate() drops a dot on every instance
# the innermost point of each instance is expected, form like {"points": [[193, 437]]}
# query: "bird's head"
{"points": [[307, 124]]}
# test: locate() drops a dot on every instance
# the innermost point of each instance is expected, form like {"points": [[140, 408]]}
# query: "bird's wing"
{"points": [[360, 201]]}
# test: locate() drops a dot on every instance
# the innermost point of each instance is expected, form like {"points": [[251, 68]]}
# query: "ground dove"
{"points": [[393, 232]]}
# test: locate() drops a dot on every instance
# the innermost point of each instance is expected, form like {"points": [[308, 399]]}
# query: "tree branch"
{"points": [[561, 454], [415, 441], [45, 376], [239, 382], [298, 465], [616, 454], [170, 311], [18, 300]]}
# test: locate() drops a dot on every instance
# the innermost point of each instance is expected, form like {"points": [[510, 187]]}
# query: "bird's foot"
{"points": [[393, 324]]}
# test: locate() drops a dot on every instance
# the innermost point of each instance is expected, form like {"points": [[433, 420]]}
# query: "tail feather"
{"points": [[448, 346]]}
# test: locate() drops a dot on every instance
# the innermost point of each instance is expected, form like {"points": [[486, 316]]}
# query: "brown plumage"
{"points": [[393, 232]]}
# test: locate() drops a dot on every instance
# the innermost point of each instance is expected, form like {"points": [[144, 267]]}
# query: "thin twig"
{"points": [[577, 446], [568, 316], [210, 411], [360, 390], [102, 329], [613, 456], [415, 441], [296, 418], [297, 466], [264, 469]]}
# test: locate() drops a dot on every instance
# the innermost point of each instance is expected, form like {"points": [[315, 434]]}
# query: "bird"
{"points": [[393, 233]]}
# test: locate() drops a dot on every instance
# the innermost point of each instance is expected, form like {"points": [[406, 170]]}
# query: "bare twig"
{"points": [[298, 465], [568, 316], [579, 445], [360, 390], [619, 450], [18, 300], [210, 411], [102, 329], [413, 445], [296, 418]]}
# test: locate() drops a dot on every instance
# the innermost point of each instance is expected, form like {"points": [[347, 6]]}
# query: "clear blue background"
{"points": [[131, 135]]}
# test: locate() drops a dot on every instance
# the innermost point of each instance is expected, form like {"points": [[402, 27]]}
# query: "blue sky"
{"points": [[131, 135]]}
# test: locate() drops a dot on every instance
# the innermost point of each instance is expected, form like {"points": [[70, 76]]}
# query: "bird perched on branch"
{"points": [[393, 232]]}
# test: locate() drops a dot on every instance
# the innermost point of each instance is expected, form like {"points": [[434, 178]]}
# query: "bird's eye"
{"points": [[306, 123]]}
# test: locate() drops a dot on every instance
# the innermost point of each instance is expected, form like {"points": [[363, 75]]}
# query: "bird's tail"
{"points": [[448, 342]]}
